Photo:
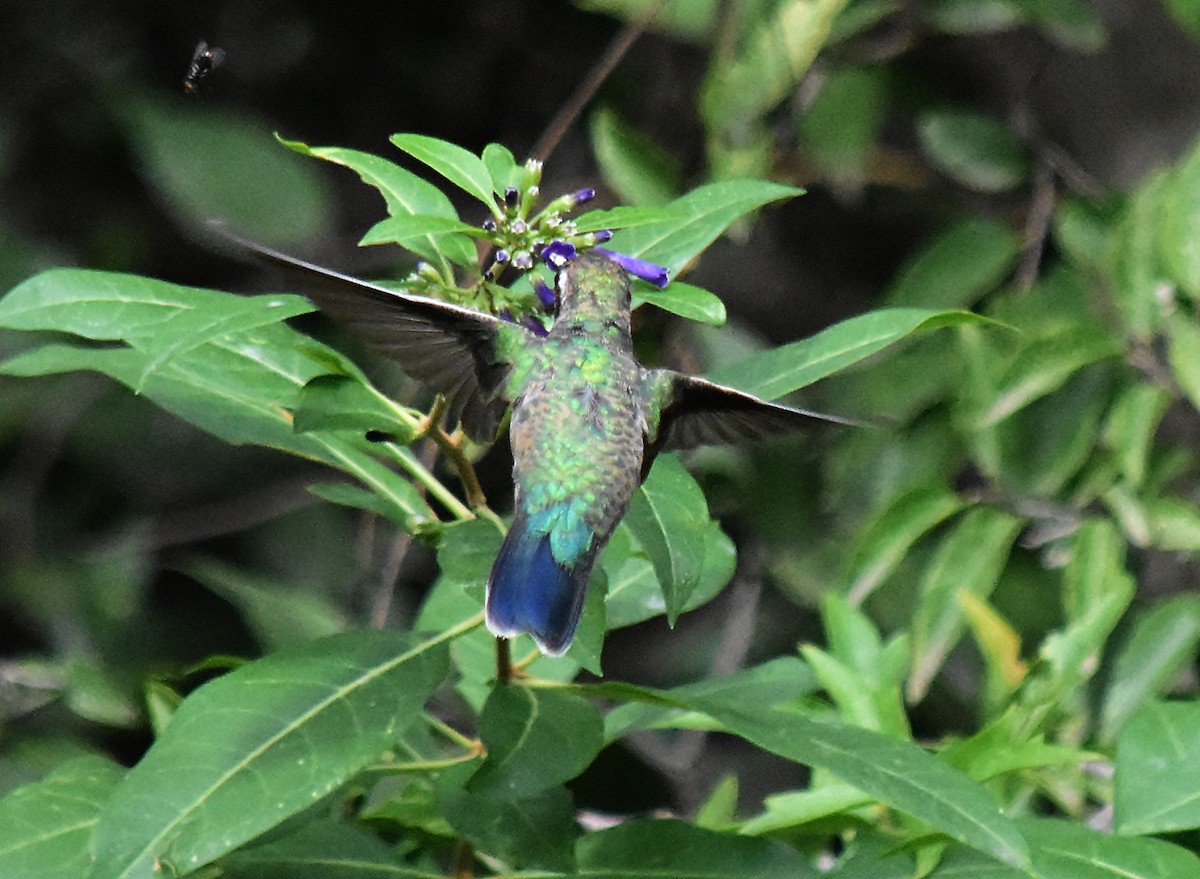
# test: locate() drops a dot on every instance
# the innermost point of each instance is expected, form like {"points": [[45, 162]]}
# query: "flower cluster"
{"points": [[521, 237]]}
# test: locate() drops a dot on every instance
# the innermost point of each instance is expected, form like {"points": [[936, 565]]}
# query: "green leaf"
{"points": [[686, 19], [992, 752], [535, 739], [278, 615], [970, 559], [896, 773], [1187, 14], [207, 357], [796, 365], [639, 170], [758, 689], [669, 517], [1066, 850], [1043, 366], [1183, 354], [410, 231], [209, 163], [1162, 641], [1132, 259], [979, 152], [627, 217], [700, 217], [1156, 782], [886, 541], [633, 591], [501, 166], [46, 827], [338, 402], [404, 193], [262, 743], [793, 809], [958, 267], [1179, 225], [974, 16], [461, 167], [844, 120], [1174, 524], [535, 831], [776, 51], [685, 300], [1131, 425], [642, 849], [320, 850]]}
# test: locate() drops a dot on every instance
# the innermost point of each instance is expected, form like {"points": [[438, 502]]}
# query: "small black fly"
{"points": [[204, 59]]}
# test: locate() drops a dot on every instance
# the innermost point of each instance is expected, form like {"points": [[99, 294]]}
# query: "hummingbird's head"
{"points": [[593, 287]]}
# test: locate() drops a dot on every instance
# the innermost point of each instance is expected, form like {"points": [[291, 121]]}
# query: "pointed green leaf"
{"points": [[970, 559], [978, 152], [1179, 225], [405, 193], [958, 267], [1162, 641], [262, 743], [843, 122], [501, 166], [669, 517], [1156, 783], [280, 616], [633, 591], [886, 541], [685, 300], [706, 212], [410, 231], [793, 366], [46, 827], [1068, 850], [535, 739], [639, 170], [208, 163], [649, 849], [897, 773], [320, 850], [338, 402], [461, 167], [1043, 366], [1131, 425], [535, 831], [234, 380], [792, 809]]}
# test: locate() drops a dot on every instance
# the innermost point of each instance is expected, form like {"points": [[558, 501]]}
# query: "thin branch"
{"points": [[587, 88]]}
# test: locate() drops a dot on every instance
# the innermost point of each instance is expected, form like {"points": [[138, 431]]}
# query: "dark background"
{"points": [[92, 476]]}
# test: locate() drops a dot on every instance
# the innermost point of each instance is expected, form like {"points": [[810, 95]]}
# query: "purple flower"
{"points": [[583, 196], [511, 196], [647, 271], [489, 225], [534, 325], [601, 235], [545, 295], [558, 253]]}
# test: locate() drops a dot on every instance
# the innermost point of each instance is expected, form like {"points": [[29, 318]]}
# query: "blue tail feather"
{"points": [[528, 591]]}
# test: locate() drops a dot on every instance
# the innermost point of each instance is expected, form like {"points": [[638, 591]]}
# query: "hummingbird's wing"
{"points": [[456, 351], [696, 412]]}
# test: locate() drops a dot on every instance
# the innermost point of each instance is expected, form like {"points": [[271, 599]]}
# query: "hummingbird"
{"points": [[587, 418]]}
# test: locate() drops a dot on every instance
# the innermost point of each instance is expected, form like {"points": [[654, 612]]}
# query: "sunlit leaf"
{"points": [[1156, 775], [260, 744]]}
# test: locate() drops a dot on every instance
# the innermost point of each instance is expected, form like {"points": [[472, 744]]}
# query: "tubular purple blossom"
{"points": [[583, 196], [545, 295], [534, 325], [557, 253], [647, 271]]}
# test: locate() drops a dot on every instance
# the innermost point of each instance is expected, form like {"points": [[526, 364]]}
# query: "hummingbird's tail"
{"points": [[529, 591]]}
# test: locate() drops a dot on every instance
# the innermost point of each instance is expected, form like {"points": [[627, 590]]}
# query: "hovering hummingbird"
{"points": [[587, 419]]}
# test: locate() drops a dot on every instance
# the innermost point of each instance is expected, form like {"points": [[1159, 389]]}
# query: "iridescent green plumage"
{"points": [[587, 420]]}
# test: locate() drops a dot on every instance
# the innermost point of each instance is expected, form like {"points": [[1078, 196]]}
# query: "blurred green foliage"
{"points": [[976, 625]]}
